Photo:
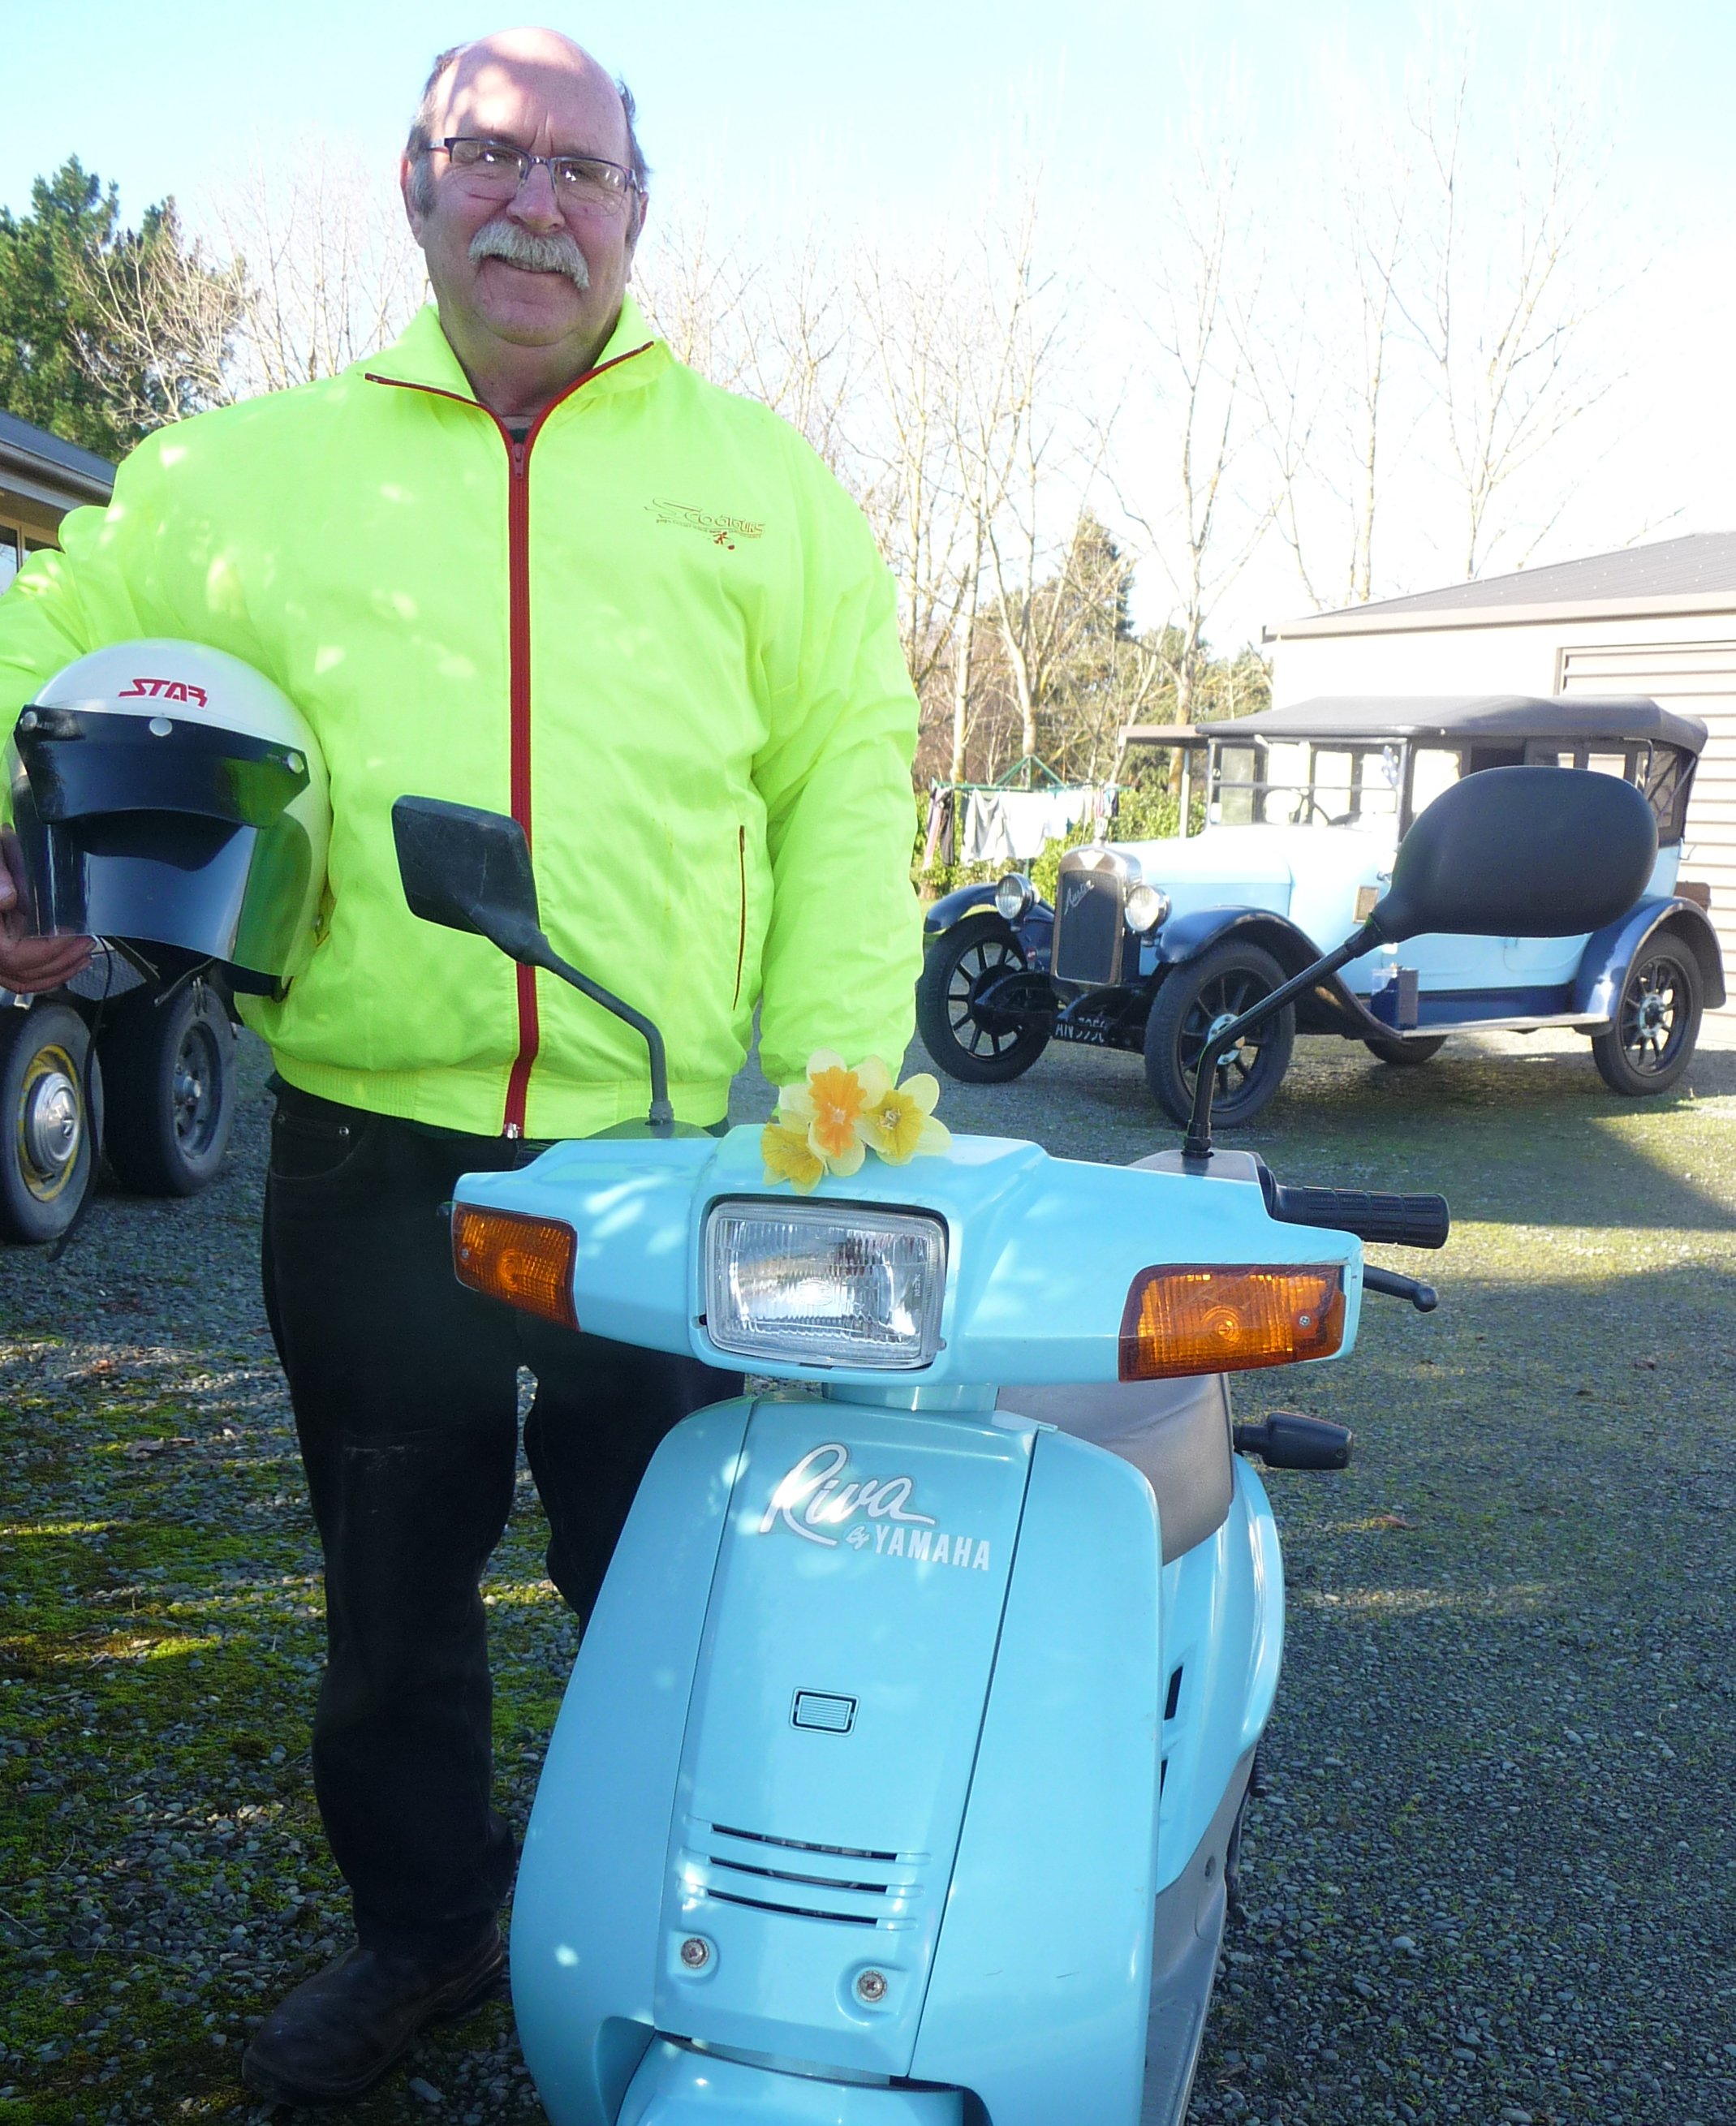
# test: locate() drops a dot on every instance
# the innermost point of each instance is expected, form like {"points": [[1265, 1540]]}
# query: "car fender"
{"points": [[1032, 932], [1328, 1008], [1610, 952], [1186, 937]]}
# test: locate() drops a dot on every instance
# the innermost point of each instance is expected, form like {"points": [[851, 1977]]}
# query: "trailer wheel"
{"points": [[46, 1168], [169, 1075]]}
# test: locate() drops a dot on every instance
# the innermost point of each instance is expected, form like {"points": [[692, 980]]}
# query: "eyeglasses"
{"points": [[496, 169]]}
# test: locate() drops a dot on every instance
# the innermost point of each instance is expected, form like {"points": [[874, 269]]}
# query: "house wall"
{"points": [[1684, 662]]}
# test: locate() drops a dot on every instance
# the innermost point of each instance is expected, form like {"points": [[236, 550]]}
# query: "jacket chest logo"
{"points": [[721, 529]]}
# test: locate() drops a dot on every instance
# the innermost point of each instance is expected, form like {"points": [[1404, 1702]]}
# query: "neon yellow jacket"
{"points": [[658, 632]]}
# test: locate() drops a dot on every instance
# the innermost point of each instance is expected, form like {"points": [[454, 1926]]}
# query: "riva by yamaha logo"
{"points": [[814, 1502]]}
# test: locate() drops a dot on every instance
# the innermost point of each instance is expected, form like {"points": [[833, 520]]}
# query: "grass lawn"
{"points": [[1494, 1878]]}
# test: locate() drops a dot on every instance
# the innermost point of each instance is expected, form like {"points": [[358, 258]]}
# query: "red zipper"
{"points": [[518, 679]]}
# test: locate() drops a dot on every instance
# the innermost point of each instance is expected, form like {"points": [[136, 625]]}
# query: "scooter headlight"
{"points": [[824, 1284]]}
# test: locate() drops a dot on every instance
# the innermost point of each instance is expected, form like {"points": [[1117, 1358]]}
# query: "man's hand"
{"points": [[31, 964]]}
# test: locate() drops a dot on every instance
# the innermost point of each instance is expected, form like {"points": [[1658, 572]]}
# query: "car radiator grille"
{"points": [[1088, 927]]}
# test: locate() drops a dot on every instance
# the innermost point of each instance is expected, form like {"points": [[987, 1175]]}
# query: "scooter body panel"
{"points": [[1038, 1999], [847, 1654], [1041, 1252], [1223, 1640], [585, 1927], [678, 2087]]}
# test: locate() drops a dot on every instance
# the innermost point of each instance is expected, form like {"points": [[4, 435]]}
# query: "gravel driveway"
{"points": [[1493, 1877]]}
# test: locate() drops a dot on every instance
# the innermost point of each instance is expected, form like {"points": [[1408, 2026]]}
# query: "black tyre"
{"points": [[1657, 1022], [45, 1167], [168, 1072], [968, 1039], [1405, 1054], [1192, 1002]]}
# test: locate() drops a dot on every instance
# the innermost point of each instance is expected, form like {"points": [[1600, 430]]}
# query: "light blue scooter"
{"points": [[899, 1779]]}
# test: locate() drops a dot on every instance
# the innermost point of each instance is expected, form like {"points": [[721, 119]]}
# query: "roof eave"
{"points": [[46, 479], [1372, 620]]}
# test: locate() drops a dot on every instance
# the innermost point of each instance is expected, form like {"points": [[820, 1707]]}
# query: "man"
{"points": [[525, 560]]}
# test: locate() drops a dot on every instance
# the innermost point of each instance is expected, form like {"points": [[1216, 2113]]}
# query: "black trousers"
{"points": [[405, 1393]]}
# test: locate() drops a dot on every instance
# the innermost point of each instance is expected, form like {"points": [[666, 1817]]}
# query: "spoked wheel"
{"points": [[968, 1037], [1192, 1005], [1407, 1054], [46, 1158], [1657, 1022], [170, 1069]]}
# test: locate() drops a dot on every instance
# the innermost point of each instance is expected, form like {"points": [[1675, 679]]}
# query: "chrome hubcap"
{"points": [[51, 1124]]}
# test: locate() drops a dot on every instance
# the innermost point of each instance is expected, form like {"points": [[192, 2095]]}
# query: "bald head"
{"points": [[529, 272], [466, 80]]}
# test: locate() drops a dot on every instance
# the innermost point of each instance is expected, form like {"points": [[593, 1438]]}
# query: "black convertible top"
{"points": [[1622, 719]]}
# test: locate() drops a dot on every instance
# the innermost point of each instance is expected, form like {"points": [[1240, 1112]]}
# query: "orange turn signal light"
{"points": [[527, 1262], [1229, 1318]]}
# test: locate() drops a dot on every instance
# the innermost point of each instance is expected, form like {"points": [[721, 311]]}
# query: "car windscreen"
{"points": [[1304, 782]]}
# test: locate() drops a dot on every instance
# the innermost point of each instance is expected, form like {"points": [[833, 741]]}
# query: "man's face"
{"points": [[532, 90]]}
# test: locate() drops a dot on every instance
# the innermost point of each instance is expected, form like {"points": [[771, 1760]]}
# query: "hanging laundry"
{"points": [[937, 845], [1011, 826]]}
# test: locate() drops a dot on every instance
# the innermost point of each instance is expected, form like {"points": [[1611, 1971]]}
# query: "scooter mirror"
{"points": [[469, 869], [1521, 853]]}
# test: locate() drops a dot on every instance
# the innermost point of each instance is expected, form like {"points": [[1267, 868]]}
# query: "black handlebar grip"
{"points": [[1392, 1221]]}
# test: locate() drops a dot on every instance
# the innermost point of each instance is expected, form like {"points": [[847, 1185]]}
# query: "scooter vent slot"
{"points": [[1174, 1699], [801, 1845], [1163, 1774], [801, 1912], [813, 1882]]}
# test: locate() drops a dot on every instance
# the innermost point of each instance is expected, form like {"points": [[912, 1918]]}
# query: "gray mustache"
{"points": [[523, 247]]}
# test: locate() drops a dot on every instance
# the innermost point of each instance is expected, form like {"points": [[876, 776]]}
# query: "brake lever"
{"points": [[1391, 1284]]}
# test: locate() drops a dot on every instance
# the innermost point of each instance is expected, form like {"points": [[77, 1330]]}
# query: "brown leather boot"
{"points": [[340, 2030]]}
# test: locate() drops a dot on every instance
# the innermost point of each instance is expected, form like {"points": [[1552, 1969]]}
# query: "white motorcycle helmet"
{"points": [[167, 795]]}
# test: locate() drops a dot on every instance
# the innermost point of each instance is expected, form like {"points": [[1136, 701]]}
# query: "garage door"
{"points": [[1699, 679]]}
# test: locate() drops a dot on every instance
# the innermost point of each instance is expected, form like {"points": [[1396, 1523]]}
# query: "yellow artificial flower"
{"points": [[899, 1120], [787, 1157]]}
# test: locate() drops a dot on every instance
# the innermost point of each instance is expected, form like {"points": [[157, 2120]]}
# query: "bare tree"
{"points": [[168, 315], [1500, 300], [1328, 398], [332, 272], [1198, 527]]}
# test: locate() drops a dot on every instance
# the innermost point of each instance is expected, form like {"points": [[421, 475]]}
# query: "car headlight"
{"points": [[823, 1284], [1146, 907], [1015, 895]]}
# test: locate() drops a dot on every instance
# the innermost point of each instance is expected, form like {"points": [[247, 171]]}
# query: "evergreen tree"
{"points": [[89, 348]]}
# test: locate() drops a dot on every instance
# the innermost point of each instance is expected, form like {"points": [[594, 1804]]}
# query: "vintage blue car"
{"points": [[1155, 945]]}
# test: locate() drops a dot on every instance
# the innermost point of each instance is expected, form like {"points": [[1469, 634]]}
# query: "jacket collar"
{"points": [[424, 355]]}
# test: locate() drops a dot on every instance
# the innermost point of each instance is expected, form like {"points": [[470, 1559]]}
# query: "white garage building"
{"points": [[1657, 620]]}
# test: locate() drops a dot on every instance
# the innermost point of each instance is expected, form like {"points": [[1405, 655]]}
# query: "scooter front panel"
{"points": [[847, 1656], [585, 1931]]}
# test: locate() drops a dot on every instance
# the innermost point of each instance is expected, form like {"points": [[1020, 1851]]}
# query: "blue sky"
{"points": [[903, 95], [895, 114]]}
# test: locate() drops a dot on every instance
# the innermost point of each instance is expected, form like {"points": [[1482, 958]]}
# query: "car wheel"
{"points": [[968, 1039], [1405, 1054], [1192, 1002], [169, 1071], [1657, 1022], [46, 1166]]}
